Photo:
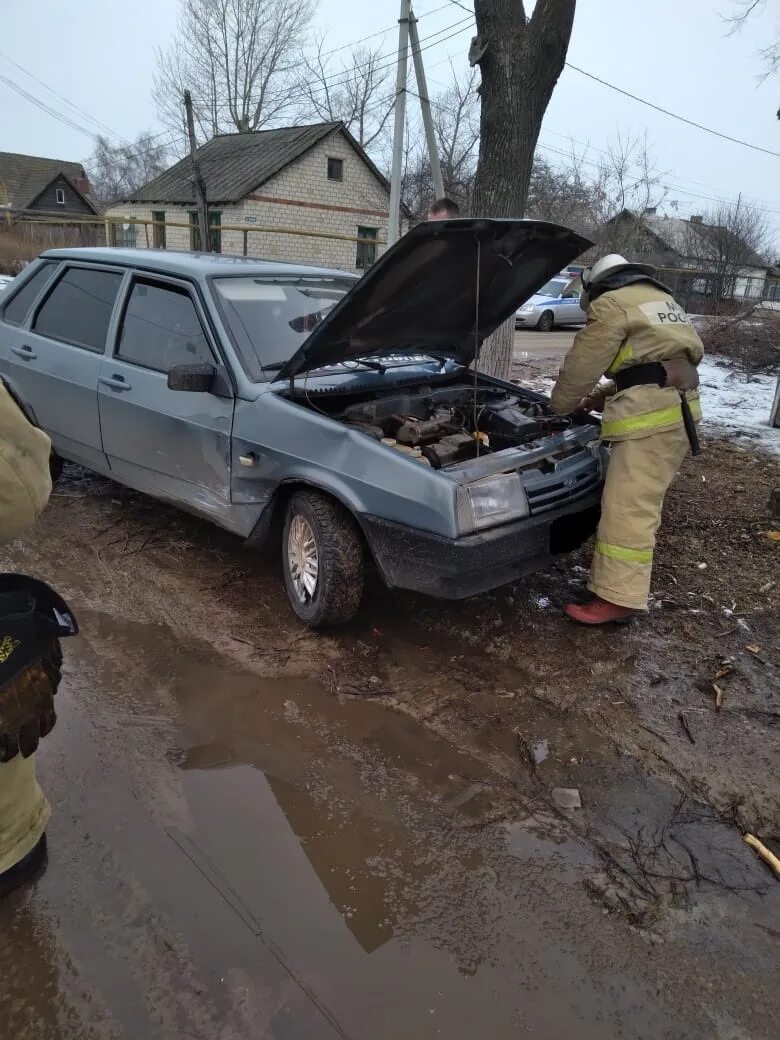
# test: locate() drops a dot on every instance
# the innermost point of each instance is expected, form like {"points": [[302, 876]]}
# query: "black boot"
{"points": [[25, 870]]}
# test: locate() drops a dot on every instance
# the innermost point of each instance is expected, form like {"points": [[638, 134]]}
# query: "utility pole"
{"points": [[407, 26], [201, 203], [425, 107], [394, 220]]}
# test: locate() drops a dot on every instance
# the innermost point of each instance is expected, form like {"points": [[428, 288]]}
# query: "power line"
{"points": [[667, 187], [383, 32], [67, 121], [71, 104], [673, 115], [654, 106], [658, 173], [329, 84], [61, 117]]}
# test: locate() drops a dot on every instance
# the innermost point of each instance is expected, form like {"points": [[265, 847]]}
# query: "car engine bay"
{"points": [[440, 426]]}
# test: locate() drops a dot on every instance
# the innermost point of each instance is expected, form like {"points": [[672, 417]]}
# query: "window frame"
{"points": [[162, 281], [159, 229], [53, 264], [215, 230], [366, 242], [117, 230], [40, 302], [340, 167], [59, 196]]}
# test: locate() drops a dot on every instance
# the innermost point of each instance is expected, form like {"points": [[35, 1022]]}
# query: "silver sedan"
{"points": [[556, 303]]}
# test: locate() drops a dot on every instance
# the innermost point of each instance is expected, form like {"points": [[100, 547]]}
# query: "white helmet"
{"points": [[609, 264]]}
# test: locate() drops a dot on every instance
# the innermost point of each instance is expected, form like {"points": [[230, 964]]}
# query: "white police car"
{"points": [[556, 303]]}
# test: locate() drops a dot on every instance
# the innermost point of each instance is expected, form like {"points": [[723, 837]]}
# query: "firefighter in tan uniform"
{"points": [[32, 617], [639, 337]]}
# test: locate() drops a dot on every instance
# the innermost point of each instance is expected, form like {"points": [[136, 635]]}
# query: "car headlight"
{"points": [[492, 501], [526, 308]]}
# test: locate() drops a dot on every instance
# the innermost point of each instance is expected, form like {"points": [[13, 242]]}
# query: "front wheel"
{"points": [[322, 557], [546, 322]]}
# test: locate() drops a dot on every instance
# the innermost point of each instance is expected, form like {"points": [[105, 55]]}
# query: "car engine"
{"points": [[442, 426]]}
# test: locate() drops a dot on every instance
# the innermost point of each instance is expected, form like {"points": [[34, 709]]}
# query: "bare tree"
{"points": [[603, 197], [456, 123], [520, 58], [455, 111], [356, 91], [237, 57], [117, 170], [728, 242], [770, 54]]}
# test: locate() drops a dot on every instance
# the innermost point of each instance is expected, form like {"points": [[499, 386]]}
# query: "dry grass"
{"points": [[751, 339], [15, 252]]}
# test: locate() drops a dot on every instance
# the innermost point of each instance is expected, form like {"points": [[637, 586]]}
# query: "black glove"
{"points": [[27, 705], [32, 618]]}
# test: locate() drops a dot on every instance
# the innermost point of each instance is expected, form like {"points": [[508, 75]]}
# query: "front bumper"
{"points": [[457, 568]]}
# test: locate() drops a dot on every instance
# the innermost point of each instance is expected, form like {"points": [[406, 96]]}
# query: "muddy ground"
{"points": [[263, 832]]}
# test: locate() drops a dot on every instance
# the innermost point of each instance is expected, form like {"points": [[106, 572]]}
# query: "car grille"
{"points": [[550, 491]]}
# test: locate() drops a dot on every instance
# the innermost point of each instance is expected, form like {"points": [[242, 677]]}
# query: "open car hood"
{"points": [[422, 294]]}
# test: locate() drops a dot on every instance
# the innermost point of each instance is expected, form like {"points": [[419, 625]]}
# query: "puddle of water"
{"points": [[240, 856], [567, 859]]}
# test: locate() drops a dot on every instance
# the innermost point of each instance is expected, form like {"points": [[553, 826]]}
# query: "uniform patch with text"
{"points": [[661, 312]]}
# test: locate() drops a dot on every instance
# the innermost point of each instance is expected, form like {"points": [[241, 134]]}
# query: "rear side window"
{"points": [[17, 308], [78, 309], [161, 329]]}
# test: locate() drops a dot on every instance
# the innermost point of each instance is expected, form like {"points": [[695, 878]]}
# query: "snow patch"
{"points": [[736, 408]]}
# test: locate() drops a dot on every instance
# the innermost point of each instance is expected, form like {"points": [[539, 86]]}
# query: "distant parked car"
{"points": [[554, 304], [336, 417], [5, 281]]}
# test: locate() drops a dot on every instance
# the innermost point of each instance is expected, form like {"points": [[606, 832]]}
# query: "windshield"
{"points": [[269, 318], [554, 288]]}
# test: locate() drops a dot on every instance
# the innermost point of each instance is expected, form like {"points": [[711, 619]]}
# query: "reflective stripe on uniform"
{"points": [[626, 353], [648, 421], [620, 552]]}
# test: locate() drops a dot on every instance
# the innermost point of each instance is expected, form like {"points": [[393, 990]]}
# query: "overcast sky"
{"points": [[99, 55]]}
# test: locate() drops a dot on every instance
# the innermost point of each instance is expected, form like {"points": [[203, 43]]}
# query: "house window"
{"points": [[335, 169], [123, 235], [366, 247], [215, 231], [158, 228], [60, 195]]}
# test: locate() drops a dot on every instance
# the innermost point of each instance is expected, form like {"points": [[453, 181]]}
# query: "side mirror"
{"points": [[197, 379]]}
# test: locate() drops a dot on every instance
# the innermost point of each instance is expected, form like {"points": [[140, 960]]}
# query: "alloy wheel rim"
{"points": [[303, 559]]}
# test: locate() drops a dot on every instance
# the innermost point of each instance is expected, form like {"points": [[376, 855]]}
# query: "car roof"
{"points": [[190, 265]]}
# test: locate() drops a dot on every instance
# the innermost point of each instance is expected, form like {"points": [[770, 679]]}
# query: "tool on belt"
{"points": [[33, 619], [673, 373]]}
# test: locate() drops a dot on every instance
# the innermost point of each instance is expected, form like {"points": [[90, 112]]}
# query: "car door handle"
{"points": [[25, 352], [115, 382]]}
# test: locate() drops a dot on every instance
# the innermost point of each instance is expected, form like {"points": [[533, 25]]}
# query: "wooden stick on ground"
{"points": [[761, 850]]}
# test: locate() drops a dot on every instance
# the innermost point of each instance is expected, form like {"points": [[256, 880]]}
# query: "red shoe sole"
{"points": [[595, 624]]}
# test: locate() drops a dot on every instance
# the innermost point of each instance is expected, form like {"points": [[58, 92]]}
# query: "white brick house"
{"points": [[260, 187]]}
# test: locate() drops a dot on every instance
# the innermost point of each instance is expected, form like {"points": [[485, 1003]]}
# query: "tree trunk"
{"points": [[520, 60]]}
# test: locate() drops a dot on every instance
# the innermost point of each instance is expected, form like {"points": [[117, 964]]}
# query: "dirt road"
{"points": [[264, 833]]}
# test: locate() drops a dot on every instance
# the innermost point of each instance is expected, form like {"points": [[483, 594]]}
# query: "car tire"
{"points": [[322, 559], [546, 322]]}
